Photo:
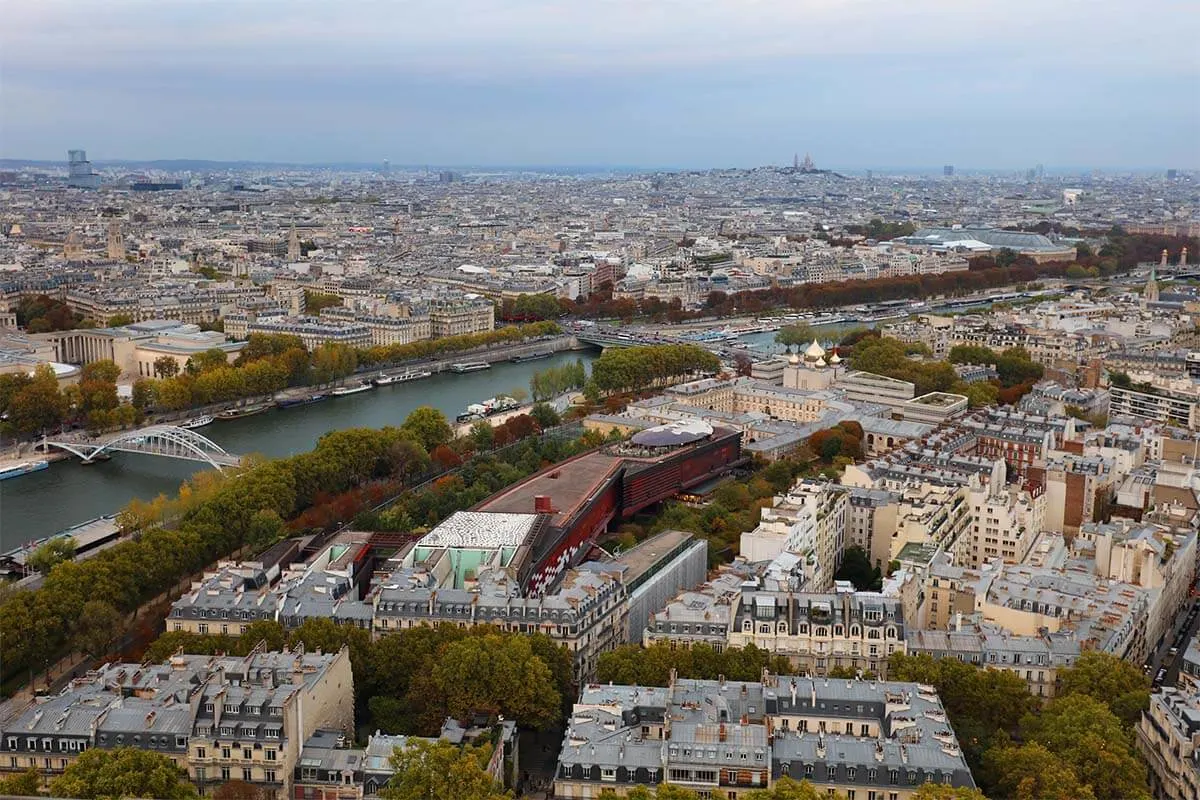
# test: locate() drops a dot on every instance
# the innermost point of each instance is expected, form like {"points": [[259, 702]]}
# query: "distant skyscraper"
{"points": [[79, 171], [387, 167], [1041, 172], [948, 170], [1172, 174]]}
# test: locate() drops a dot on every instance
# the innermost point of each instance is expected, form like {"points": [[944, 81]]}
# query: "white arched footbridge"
{"points": [[159, 440]]}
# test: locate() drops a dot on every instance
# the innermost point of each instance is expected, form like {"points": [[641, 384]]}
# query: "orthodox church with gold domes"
{"points": [[814, 371]]}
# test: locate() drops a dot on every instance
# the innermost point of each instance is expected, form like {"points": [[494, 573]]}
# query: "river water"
{"points": [[42, 503]]}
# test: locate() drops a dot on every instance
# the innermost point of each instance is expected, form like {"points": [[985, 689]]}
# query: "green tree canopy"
{"points": [[1088, 737], [495, 675], [856, 567], [98, 626], [798, 334], [26, 784], [981, 703], [1111, 680], [428, 426], [122, 773], [425, 769], [210, 359], [1031, 772], [791, 789], [651, 666], [315, 301], [51, 554], [940, 791], [545, 416]]}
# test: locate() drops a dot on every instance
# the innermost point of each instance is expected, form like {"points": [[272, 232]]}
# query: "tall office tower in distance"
{"points": [[386, 169], [948, 170], [79, 174], [1172, 174]]}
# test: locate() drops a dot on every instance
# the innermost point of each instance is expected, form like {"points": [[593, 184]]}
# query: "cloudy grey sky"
{"points": [[858, 83]]}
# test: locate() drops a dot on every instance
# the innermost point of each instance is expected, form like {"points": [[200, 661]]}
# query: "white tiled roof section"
{"points": [[479, 529]]}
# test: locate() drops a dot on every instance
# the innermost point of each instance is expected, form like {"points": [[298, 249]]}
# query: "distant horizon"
{"points": [[594, 167]]}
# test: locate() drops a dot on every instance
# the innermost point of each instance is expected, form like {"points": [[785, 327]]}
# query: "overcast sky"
{"points": [[857, 83]]}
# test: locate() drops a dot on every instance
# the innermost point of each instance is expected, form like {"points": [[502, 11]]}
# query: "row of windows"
{"points": [[213, 613], [232, 730], [245, 708], [829, 771], [47, 744], [227, 774], [227, 753], [820, 632]]}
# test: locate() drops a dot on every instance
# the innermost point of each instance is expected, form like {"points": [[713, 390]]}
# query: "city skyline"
{"points": [[998, 86]]}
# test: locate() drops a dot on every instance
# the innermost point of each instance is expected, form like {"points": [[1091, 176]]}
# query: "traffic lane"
{"points": [[1181, 644]]}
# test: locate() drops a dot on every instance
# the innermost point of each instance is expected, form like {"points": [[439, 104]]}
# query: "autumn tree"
{"points": [[241, 790], [39, 404], [166, 367], [333, 360]]}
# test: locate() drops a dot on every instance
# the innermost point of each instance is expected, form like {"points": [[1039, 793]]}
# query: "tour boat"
{"points": [[530, 357], [196, 422], [387, 380], [342, 391], [24, 468], [301, 401], [470, 366], [244, 411]]}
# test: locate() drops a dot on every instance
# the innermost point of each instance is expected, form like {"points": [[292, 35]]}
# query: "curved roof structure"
{"points": [[673, 434]]}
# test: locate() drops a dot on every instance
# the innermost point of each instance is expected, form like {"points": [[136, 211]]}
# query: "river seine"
{"points": [[41, 503]]}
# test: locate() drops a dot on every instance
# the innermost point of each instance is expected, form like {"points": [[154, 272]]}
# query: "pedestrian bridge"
{"points": [[158, 440]]}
